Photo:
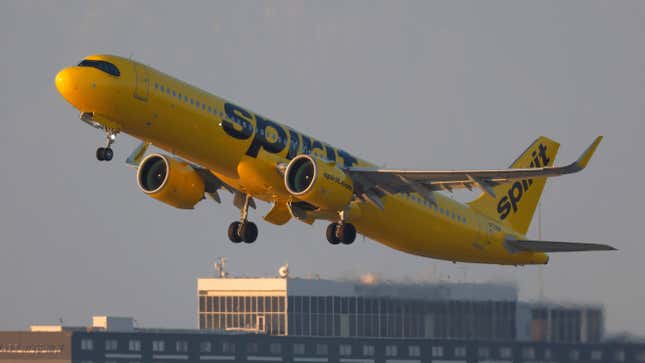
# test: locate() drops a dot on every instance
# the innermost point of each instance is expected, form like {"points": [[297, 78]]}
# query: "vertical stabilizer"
{"points": [[515, 202]]}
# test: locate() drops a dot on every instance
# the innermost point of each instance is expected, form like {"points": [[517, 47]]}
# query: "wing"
{"points": [[371, 183], [550, 246]]}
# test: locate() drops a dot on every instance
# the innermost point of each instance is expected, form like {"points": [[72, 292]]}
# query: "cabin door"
{"points": [[142, 86]]}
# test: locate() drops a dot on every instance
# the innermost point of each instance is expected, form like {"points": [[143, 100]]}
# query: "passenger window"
{"points": [[203, 107], [174, 94], [156, 85], [192, 101], [185, 98], [161, 88], [209, 109], [197, 103]]}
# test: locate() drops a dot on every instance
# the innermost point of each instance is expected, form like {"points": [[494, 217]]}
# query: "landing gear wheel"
{"points": [[346, 233], [331, 234], [233, 234], [249, 233], [108, 154], [100, 154]]}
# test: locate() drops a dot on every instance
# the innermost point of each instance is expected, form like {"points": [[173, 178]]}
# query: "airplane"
{"points": [[213, 144]]}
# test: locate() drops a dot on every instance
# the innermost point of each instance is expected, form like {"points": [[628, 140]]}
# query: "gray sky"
{"points": [[430, 85]]}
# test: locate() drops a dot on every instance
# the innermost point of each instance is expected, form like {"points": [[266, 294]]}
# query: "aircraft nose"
{"points": [[65, 82]]}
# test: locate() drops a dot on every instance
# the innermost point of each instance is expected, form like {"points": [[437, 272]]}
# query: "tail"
{"points": [[515, 202]]}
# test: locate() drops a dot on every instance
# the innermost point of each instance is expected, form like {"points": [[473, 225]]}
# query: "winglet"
{"points": [[583, 160]]}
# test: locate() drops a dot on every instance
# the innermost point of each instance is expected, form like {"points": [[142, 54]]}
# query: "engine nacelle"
{"points": [[171, 181], [318, 183]]}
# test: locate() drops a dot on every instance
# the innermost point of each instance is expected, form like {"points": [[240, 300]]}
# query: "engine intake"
{"points": [[171, 181], [319, 183]]}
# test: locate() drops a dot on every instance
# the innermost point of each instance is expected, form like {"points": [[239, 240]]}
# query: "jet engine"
{"points": [[319, 183], [171, 181]]}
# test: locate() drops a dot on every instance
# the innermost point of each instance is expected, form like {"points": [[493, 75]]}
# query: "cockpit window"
{"points": [[106, 67]]}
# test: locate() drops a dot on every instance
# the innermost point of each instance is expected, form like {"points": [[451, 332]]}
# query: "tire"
{"points": [[232, 232], [331, 234], [249, 232], [100, 154], [108, 154], [347, 233]]}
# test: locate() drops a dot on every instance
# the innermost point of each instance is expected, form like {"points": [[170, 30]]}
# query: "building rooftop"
{"points": [[322, 287]]}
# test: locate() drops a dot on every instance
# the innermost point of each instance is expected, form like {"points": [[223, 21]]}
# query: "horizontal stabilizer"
{"points": [[550, 246]]}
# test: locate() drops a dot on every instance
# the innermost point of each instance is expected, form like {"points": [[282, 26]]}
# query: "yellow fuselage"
{"points": [[192, 124]]}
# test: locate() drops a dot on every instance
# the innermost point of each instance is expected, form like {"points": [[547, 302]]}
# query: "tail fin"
{"points": [[515, 202]]}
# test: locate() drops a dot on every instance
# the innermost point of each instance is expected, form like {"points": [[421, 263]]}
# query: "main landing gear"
{"points": [[106, 153], [342, 232], [243, 230]]}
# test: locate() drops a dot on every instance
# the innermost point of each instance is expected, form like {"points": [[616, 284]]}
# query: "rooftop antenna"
{"points": [[220, 266]]}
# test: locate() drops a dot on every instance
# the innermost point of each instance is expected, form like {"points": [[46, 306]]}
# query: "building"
{"points": [[326, 308], [116, 342]]}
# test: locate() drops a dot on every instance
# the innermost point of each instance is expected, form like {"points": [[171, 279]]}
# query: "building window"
{"points": [[414, 351], [391, 350], [460, 352], [528, 353], [275, 348], [619, 356], [368, 350], [134, 345], [181, 346], [483, 352], [437, 351], [596, 355], [111, 345], [299, 349], [547, 354], [640, 357], [228, 347], [505, 352], [252, 347], [321, 349], [87, 344], [345, 349], [574, 354], [158, 345], [205, 347]]}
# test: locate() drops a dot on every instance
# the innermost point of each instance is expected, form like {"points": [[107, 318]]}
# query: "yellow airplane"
{"points": [[216, 144]]}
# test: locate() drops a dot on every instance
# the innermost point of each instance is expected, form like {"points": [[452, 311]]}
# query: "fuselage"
{"points": [[243, 149]]}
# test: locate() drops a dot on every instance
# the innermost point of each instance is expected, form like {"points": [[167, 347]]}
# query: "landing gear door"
{"points": [[142, 85]]}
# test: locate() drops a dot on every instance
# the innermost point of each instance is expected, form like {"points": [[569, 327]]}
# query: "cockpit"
{"points": [[104, 66]]}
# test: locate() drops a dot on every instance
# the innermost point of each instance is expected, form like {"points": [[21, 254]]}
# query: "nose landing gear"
{"points": [[106, 153], [243, 230]]}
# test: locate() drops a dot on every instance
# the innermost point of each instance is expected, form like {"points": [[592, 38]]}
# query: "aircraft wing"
{"points": [[372, 183], [550, 246]]}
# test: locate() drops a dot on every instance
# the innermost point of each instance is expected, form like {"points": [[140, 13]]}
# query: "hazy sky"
{"points": [[425, 85]]}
